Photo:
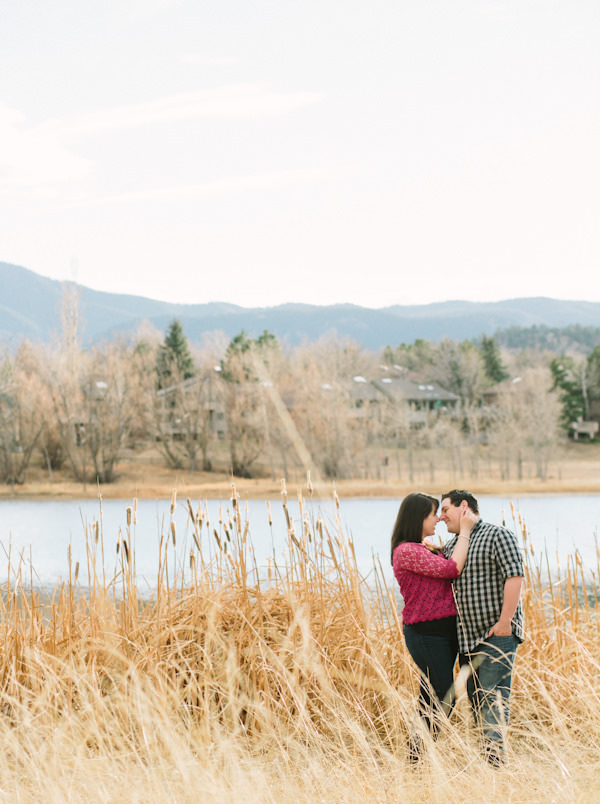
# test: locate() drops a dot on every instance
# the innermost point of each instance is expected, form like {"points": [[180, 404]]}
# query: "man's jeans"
{"points": [[488, 687]]}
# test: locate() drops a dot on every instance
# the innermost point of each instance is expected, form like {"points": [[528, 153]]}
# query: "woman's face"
{"points": [[429, 524]]}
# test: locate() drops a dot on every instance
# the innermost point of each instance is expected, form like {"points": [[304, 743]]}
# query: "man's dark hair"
{"points": [[456, 496]]}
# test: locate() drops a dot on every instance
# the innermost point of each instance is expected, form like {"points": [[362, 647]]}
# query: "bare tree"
{"points": [[21, 419], [336, 420], [93, 404], [93, 399], [243, 406], [459, 367], [527, 422]]}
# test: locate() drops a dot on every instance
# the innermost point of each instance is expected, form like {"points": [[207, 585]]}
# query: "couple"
{"points": [[462, 599]]}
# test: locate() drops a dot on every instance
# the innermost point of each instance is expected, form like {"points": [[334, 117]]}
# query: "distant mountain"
{"points": [[30, 308]]}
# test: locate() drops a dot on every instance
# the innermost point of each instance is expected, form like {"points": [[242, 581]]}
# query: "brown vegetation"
{"points": [[138, 417], [290, 684], [573, 469]]}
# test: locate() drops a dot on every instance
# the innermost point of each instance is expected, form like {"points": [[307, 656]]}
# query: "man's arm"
{"points": [[512, 592]]}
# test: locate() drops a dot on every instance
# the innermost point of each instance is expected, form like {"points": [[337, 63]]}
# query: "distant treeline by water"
{"points": [[554, 339]]}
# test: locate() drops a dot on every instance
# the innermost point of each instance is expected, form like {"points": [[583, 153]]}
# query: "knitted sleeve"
{"points": [[416, 558]]}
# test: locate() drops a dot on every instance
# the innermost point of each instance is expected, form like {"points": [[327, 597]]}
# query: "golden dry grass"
{"points": [[291, 684]]}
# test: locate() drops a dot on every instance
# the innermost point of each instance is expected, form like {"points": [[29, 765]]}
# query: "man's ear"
{"points": [[464, 505]]}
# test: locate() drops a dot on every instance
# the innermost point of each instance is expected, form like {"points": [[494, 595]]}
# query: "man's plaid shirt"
{"points": [[493, 557]]}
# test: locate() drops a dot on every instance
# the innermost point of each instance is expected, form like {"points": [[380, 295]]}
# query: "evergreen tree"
{"points": [[567, 378], [417, 356], [238, 365], [174, 361], [494, 368]]}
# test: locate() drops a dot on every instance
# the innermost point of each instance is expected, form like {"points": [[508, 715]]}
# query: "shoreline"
{"points": [[220, 488], [574, 469]]}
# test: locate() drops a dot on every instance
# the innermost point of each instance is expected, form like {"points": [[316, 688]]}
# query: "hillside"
{"points": [[30, 308]]}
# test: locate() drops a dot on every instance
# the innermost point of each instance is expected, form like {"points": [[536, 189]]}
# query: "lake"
{"points": [[38, 534]]}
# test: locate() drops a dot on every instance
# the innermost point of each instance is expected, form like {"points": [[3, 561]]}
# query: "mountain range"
{"points": [[30, 308]]}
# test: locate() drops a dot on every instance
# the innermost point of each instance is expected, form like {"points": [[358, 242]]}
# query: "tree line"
{"points": [[249, 405], [563, 340]]}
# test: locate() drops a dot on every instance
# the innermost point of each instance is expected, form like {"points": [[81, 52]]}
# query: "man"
{"points": [[490, 618]]}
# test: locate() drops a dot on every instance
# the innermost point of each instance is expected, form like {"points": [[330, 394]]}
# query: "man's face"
{"points": [[450, 514]]}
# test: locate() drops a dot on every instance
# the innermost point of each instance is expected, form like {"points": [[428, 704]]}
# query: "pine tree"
{"points": [[174, 361], [567, 374], [495, 370]]}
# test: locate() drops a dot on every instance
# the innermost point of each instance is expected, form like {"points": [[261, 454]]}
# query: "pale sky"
{"points": [[318, 151]]}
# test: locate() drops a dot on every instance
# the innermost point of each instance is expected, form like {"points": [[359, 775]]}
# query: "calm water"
{"points": [[41, 533]]}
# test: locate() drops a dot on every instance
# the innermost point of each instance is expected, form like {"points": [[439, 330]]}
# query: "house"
{"points": [[197, 397], [419, 402], [581, 428], [365, 398]]}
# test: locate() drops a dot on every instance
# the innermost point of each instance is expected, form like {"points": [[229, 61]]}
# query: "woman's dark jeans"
{"points": [[435, 656]]}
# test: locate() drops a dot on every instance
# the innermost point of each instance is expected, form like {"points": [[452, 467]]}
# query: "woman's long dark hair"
{"points": [[414, 510]]}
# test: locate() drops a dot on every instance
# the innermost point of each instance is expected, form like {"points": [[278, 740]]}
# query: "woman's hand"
{"points": [[468, 520]]}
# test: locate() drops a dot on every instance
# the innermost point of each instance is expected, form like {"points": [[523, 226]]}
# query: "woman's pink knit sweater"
{"points": [[425, 582]]}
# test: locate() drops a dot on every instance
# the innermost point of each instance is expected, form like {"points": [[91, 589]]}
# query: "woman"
{"points": [[429, 614]]}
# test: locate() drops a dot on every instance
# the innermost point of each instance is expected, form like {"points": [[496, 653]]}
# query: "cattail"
{"points": [[173, 501], [307, 528]]}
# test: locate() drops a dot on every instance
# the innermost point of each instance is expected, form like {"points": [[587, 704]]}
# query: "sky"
{"points": [[258, 152]]}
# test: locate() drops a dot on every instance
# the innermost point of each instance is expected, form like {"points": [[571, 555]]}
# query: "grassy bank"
{"points": [[574, 468], [295, 686]]}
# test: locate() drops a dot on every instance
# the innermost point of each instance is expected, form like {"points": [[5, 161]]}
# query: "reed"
{"points": [[277, 683]]}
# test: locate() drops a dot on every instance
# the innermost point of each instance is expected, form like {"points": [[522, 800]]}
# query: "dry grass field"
{"points": [[287, 683], [574, 468]]}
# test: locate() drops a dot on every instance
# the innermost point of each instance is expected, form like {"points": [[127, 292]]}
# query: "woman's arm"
{"points": [[467, 522], [415, 557]]}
